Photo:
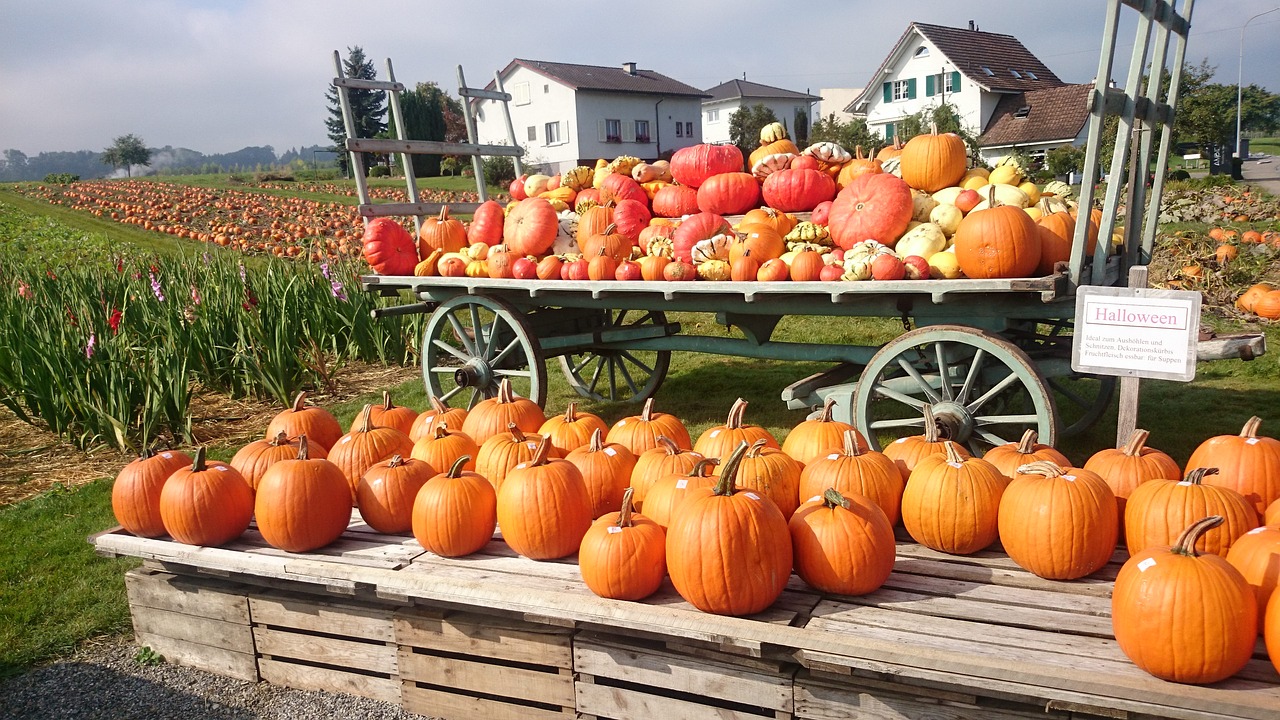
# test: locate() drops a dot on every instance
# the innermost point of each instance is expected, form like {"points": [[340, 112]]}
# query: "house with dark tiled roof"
{"points": [[1003, 92], [566, 114], [726, 98]]}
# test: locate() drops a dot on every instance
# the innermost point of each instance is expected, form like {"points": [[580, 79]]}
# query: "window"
{"points": [[1030, 74], [553, 133], [688, 129], [1015, 73], [642, 131], [947, 81], [679, 129], [546, 89], [533, 133], [713, 115], [520, 93], [922, 52], [901, 90], [613, 131], [988, 72]]}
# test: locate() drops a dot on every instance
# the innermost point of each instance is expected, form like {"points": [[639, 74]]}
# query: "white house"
{"points": [[727, 97], [991, 79], [566, 115], [835, 101]]}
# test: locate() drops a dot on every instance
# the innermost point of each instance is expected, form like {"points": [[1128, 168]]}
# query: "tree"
{"points": [[423, 120], [745, 124], [800, 125], [127, 150], [368, 107], [848, 135]]}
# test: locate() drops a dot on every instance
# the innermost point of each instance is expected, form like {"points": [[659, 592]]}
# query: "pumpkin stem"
{"points": [[728, 483], [281, 438], [439, 428], [455, 472], [953, 452], [438, 405], [931, 429], [702, 468], [1197, 475], [541, 454], [851, 446], [517, 435], [1137, 441], [504, 391], [386, 401], [298, 401], [395, 461], [304, 451], [571, 414], [197, 463], [597, 441], [1047, 468], [624, 515], [444, 213], [756, 448], [827, 407], [1250, 429], [646, 412], [736, 412], [1186, 542], [832, 497], [366, 422], [1027, 444]]}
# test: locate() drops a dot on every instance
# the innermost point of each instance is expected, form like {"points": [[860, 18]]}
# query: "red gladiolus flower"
{"points": [[114, 321]]}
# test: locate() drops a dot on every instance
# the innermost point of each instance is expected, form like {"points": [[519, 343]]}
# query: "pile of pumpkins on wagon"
{"points": [[913, 211], [641, 501]]}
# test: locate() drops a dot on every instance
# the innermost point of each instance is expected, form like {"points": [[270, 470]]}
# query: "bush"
{"points": [[499, 171], [1179, 175], [274, 176], [61, 178], [379, 171]]}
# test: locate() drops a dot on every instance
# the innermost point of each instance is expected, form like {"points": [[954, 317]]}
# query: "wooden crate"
{"points": [[461, 666], [623, 678], [827, 696], [312, 642], [198, 622]]}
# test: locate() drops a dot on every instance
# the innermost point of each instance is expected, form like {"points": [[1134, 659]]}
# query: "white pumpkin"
{"points": [[1001, 194], [947, 196], [947, 217], [924, 240], [536, 184], [866, 251]]}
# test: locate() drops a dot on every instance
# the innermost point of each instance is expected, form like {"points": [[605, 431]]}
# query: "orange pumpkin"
{"points": [[368, 444], [302, 504], [318, 424], [423, 425], [763, 241], [639, 433], [572, 430], [504, 451], [606, 469], [623, 555], [931, 162], [1249, 298], [252, 460], [843, 544], [1248, 463], [814, 438], [951, 503], [1058, 523], [1126, 468], [1056, 231], [1157, 508], [441, 233], [806, 266], [135, 495], [855, 470], [656, 463], [999, 242], [859, 165], [442, 447], [455, 512], [720, 440], [492, 415], [778, 220], [390, 415], [608, 242], [667, 494], [486, 224], [205, 504], [387, 491], [907, 452], [1009, 457], [1256, 554], [772, 472], [531, 227], [543, 508]]}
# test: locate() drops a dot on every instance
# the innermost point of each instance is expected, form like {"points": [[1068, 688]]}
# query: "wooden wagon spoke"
{"points": [[636, 361], [451, 350], [995, 390], [944, 371], [505, 352], [477, 327], [900, 423], [915, 375], [461, 334], [903, 398], [971, 378], [622, 368], [1025, 418]]}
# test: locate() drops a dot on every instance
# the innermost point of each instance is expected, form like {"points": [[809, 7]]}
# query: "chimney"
{"points": [[971, 27], [629, 68]]}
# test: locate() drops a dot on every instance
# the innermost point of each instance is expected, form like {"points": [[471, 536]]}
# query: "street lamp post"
{"points": [[1240, 78]]}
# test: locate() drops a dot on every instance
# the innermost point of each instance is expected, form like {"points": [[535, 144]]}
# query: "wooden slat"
{"points": [[1092, 586], [485, 637], [363, 84], [450, 706], [397, 209], [214, 633], [992, 613], [431, 147], [1012, 597], [322, 615], [484, 94], [219, 661], [207, 599], [825, 702], [626, 704], [553, 687], [373, 657], [307, 677]]}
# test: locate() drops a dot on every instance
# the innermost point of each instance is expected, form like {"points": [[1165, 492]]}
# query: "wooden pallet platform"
{"points": [[497, 635]]}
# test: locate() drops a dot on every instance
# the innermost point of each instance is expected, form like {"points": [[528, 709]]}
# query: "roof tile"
{"points": [[1057, 113], [604, 78]]}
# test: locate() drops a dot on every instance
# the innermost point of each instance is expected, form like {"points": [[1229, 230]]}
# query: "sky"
{"points": [[219, 76]]}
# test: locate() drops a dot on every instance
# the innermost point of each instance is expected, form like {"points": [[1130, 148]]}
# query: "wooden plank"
{"points": [[186, 595], [1092, 586], [992, 613], [626, 704], [485, 637], [363, 84], [373, 657], [826, 702], [1012, 597], [450, 706], [554, 687], [321, 615], [214, 633], [307, 677], [397, 209], [612, 658], [219, 661], [431, 147]]}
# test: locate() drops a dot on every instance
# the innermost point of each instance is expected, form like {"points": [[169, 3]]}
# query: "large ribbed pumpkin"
{"points": [[302, 504], [907, 452], [623, 555], [811, 439], [1157, 508], [455, 512], [717, 533], [1009, 457], [593, 222], [1256, 554], [656, 463], [772, 472], [1056, 230], [530, 227], [999, 242], [573, 430], [931, 162], [205, 504], [387, 490], [135, 495], [502, 452], [368, 444], [606, 470], [675, 201], [1126, 468], [252, 460], [641, 432], [631, 217], [731, 193], [486, 224], [441, 232], [842, 544], [695, 229], [952, 503], [692, 165], [1183, 616], [797, 190], [443, 447], [872, 207], [318, 424], [1058, 523], [669, 492], [389, 414], [1248, 463], [492, 415], [543, 509], [439, 412], [855, 470], [720, 440]]}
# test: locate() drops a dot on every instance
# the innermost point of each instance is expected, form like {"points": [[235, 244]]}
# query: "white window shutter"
{"points": [[628, 132], [600, 127]]}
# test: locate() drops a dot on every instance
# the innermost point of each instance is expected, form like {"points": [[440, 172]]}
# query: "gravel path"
{"points": [[103, 681]]}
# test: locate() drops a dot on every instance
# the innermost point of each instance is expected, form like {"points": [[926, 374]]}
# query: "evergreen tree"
{"points": [[424, 119], [745, 124], [368, 107]]}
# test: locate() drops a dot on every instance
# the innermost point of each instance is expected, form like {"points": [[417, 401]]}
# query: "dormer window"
{"points": [[922, 52], [1022, 112]]}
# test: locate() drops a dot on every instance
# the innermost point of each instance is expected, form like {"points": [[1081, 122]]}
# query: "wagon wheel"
{"points": [[984, 390], [619, 375], [471, 343], [1080, 399]]}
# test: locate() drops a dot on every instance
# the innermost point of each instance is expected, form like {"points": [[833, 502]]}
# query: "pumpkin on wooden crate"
{"points": [[318, 424], [1256, 554], [721, 530], [492, 415], [670, 491], [1127, 467], [135, 495], [952, 503], [1273, 514], [360, 449], [932, 161], [208, 503], [572, 430], [252, 460], [907, 452], [1248, 463], [1009, 457], [843, 544], [998, 242], [656, 463], [455, 512], [772, 472], [438, 412], [1059, 523], [1184, 616], [606, 469], [720, 440], [1157, 508], [304, 503], [814, 438], [623, 554], [387, 491], [543, 509], [388, 414], [641, 432], [855, 469], [443, 447], [441, 232], [501, 453]]}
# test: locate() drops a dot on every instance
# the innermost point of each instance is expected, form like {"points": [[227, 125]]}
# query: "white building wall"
{"points": [[973, 108], [717, 130], [536, 101], [594, 110]]}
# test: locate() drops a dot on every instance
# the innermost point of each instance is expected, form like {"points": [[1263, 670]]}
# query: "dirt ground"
{"points": [[33, 459]]}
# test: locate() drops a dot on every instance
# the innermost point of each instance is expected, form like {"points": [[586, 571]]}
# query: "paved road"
{"points": [[1264, 173]]}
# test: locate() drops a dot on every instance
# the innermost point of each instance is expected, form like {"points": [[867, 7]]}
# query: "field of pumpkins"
{"points": [[913, 211], [642, 501]]}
